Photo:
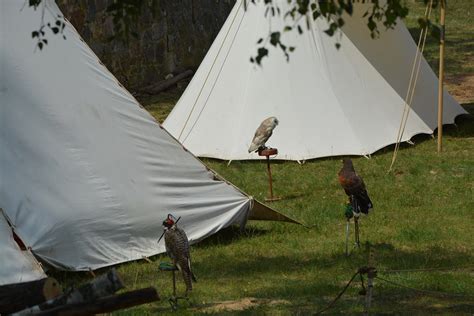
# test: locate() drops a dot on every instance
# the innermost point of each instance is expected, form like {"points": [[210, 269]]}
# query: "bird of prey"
{"points": [[263, 133], [354, 187], [177, 248]]}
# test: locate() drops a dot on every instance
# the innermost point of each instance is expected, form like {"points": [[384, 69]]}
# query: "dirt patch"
{"points": [[241, 305], [461, 87]]}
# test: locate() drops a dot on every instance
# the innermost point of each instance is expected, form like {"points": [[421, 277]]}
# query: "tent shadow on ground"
{"points": [[463, 128], [229, 235]]}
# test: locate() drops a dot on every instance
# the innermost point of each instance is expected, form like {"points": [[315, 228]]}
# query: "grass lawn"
{"points": [[423, 218]]}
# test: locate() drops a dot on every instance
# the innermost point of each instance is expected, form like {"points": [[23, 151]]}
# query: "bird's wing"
{"points": [[183, 240], [169, 244], [351, 182], [262, 134]]}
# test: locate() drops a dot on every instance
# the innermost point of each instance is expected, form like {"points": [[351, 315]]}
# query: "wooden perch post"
{"points": [[267, 152], [15, 297]]}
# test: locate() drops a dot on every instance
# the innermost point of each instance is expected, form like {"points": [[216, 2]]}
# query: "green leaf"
{"points": [[371, 24], [262, 52], [275, 38], [436, 31], [329, 32]]}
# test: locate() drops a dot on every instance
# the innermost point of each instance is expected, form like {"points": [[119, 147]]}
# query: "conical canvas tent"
{"points": [[329, 101], [16, 265], [86, 175]]}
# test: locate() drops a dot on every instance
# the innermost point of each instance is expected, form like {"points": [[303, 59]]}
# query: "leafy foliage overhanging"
{"points": [[125, 13]]}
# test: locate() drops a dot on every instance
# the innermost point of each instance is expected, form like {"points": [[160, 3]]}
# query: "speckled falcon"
{"points": [[263, 133], [177, 248]]}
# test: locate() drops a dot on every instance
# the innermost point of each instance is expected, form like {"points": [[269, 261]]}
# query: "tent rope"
{"points": [[210, 69], [215, 81], [430, 292], [412, 84]]}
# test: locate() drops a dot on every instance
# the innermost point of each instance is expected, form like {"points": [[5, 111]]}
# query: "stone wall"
{"points": [[172, 37]]}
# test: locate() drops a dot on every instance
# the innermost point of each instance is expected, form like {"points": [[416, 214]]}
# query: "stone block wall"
{"points": [[173, 37]]}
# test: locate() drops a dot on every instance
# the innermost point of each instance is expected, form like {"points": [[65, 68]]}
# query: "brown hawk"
{"points": [[354, 187]]}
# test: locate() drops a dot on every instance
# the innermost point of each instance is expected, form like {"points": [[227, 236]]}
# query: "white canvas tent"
{"points": [[329, 102], [86, 175], [16, 265]]}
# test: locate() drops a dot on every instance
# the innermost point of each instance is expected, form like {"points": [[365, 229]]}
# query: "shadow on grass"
{"points": [[291, 196], [320, 290], [229, 235], [455, 62], [463, 128]]}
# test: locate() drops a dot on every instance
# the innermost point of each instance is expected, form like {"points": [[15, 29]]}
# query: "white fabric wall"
{"points": [[86, 175], [329, 102], [16, 266]]}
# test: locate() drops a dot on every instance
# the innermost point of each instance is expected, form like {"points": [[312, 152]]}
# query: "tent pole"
{"points": [[441, 75]]}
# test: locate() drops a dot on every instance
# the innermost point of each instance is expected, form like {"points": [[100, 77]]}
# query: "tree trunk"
{"points": [[165, 84], [105, 304], [104, 285], [15, 297]]}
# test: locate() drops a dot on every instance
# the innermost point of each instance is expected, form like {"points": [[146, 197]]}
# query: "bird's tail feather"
{"points": [[187, 276], [362, 203], [191, 271]]}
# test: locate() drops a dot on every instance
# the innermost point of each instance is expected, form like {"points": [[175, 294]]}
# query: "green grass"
{"points": [[423, 218], [459, 49]]}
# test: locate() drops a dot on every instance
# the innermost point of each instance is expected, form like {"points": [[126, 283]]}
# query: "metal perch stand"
{"points": [[173, 300]]}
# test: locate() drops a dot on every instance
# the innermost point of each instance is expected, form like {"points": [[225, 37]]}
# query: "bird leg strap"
{"points": [[349, 211]]}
